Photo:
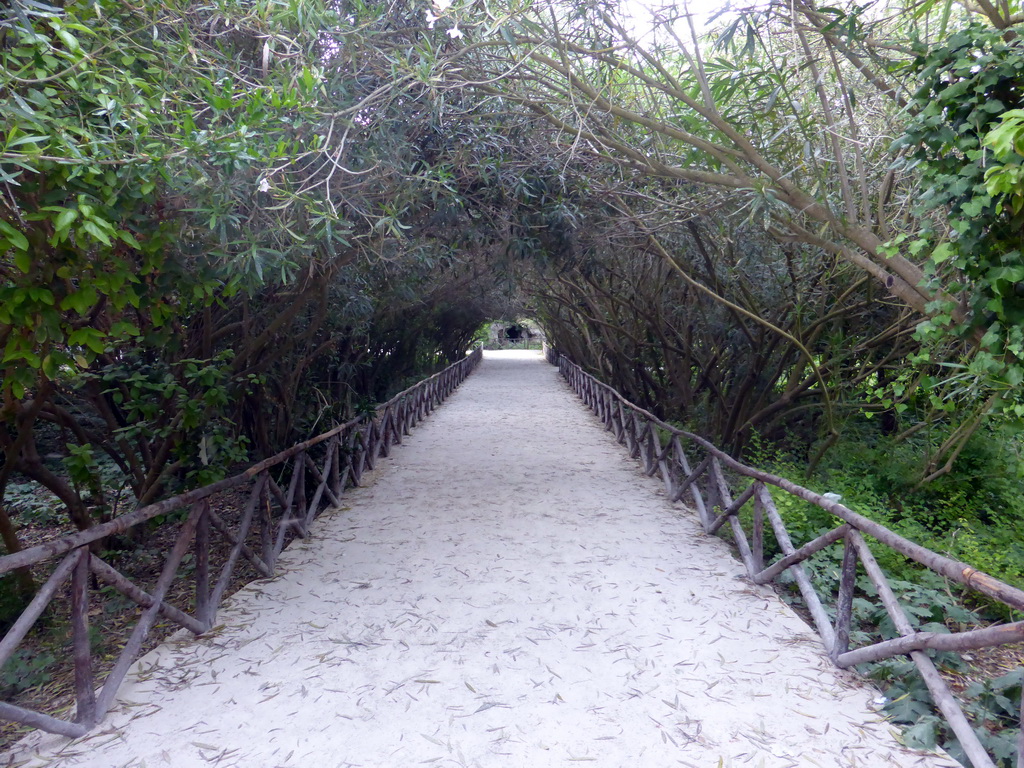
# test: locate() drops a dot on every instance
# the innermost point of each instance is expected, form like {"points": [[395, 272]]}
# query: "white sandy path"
{"points": [[509, 592]]}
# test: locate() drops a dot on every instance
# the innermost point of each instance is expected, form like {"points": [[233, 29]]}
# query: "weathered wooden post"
{"points": [[202, 555], [266, 534], [85, 693], [299, 466], [757, 532], [844, 602], [336, 483], [131, 650]]}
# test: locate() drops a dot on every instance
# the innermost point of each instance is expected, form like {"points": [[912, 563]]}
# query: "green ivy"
{"points": [[25, 670], [972, 200]]}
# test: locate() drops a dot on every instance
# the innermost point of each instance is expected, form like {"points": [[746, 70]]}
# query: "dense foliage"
{"points": [[317, 200], [203, 262]]}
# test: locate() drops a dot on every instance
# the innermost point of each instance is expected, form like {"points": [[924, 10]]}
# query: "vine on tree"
{"points": [[962, 141]]}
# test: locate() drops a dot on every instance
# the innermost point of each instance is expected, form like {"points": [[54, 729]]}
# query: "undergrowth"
{"points": [[975, 515]]}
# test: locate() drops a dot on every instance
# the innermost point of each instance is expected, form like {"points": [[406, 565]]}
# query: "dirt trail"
{"points": [[510, 591]]}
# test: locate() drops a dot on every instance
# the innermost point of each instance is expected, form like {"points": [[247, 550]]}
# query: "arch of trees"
{"points": [[224, 224], [227, 225]]}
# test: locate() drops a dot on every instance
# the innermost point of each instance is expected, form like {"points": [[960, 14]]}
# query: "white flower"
{"points": [[264, 186], [442, 5], [455, 33], [431, 18]]}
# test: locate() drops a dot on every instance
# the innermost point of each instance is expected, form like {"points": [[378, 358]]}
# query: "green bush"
{"points": [[974, 514]]}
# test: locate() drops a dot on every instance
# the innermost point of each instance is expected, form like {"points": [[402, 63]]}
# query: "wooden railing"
{"points": [[534, 342], [276, 512], [660, 448]]}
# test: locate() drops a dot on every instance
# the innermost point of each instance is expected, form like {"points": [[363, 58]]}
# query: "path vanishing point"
{"points": [[509, 591]]}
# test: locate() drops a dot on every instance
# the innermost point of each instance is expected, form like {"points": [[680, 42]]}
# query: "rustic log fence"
{"points": [[534, 342], [701, 474], [275, 513]]}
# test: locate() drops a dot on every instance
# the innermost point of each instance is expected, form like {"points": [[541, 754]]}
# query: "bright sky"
{"points": [[702, 10]]}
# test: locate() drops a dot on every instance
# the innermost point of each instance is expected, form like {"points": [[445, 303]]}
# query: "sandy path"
{"points": [[509, 592]]}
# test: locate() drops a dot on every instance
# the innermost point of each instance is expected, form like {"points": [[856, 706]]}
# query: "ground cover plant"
{"points": [[957, 519]]}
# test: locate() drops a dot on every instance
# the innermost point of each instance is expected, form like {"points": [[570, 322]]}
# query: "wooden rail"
{"points": [[276, 512], [531, 343], [659, 447]]}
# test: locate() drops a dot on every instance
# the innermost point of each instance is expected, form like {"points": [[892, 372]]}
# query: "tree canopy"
{"points": [[225, 224]]}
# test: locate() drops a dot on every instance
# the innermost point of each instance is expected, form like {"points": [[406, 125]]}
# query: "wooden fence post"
{"points": [[356, 454], [844, 602], [202, 555], [757, 533], [941, 695], [266, 526], [717, 479], [131, 649], [85, 692], [299, 505], [336, 467]]}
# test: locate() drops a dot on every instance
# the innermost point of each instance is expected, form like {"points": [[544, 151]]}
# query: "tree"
{"points": [[790, 109]]}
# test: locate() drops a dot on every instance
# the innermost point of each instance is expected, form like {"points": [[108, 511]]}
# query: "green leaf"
{"points": [[942, 252], [132, 297], [49, 367], [88, 337], [27, 140], [972, 208], [81, 301], [129, 238], [21, 354], [122, 328], [91, 227], [906, 709], [42, 295], [65, 218], [69, 40], [95, 344], [13, 236], [23, 261], [923, 735]]}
